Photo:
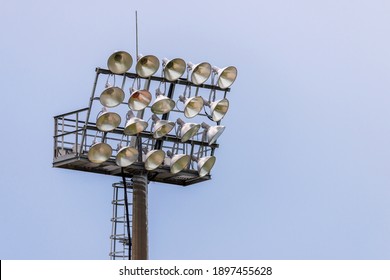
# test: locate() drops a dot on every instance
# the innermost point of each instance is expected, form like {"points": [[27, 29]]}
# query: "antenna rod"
{"points": [[136, 34]]}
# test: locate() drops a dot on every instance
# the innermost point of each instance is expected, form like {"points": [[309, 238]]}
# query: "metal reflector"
{"points": [[154, 159], [119, 62], [188, 130], [147, 65], [161, 127], [213, 132], [174, 68], [199, 72], [112, 97], [218, 109], [179, 162], [108, 121], [134, 126], [99, 152], [192, 105], [139, 100], [126, 156], [205, 164], [225, 76], [162, 105]]}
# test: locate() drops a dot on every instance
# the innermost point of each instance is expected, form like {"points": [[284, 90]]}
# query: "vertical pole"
{"points": [[55, 138], [140, 217], [77, 134], [62, 133], [136, 35], [159, 143], [140, 193], [84, 135]]}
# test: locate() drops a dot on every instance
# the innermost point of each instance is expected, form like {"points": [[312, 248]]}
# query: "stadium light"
{"points": [[142, 156]]}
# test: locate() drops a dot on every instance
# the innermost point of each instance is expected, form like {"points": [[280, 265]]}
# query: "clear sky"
{"points": [[303, 171]]}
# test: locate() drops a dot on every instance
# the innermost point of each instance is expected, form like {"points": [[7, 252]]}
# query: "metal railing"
{"points": [[68, 130], [73, 136]]}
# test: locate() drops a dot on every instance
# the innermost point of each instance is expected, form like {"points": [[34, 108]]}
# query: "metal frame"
{"points": [[74, 133]]}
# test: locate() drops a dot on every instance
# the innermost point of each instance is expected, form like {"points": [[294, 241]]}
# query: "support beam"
{"points": [[140, 217]]}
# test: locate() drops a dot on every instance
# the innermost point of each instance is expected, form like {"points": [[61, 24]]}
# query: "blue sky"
{"points": [[303, 167]]}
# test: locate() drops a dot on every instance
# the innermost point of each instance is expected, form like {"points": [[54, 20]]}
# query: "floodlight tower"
{"points": [[140, 139]]}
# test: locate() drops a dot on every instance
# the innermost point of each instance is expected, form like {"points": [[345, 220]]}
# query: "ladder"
{"points": [[120, 243]]}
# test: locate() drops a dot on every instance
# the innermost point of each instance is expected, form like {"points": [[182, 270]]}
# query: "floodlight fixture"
{"points": [[205, 164], [178, 162], [126, 156], [173, 69], [139, 99], [162, 104], [218, 109], [225, 76], [107, 121], [134, 125], [192, 105], [153, 159], [147, 65], [119, 62], [199, 72], [99, 152], [161, 127], [111, 96], [187, 130], [213, 132]]}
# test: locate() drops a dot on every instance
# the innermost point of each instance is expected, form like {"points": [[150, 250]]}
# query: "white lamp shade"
{"points": [[154, 159], [99, 152], [174, 69], [162, 128], [214, 132], [126, 156], [193, 106], [147, 65], [219, 109], [108, 121], [188, 130], [112, 97], [226, 76], [162, 105], [179, 162], [134, 126], [205, 165], [200, 73], [119, 62], [139, 100]]}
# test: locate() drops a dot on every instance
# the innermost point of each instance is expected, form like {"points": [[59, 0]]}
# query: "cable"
{"points": [[127, 211]]}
